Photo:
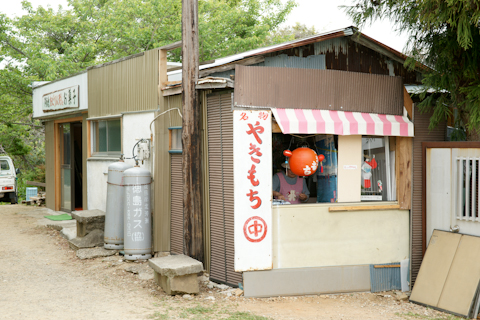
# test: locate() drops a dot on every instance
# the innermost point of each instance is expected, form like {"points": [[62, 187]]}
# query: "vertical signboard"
{"points": [[252, 141]]}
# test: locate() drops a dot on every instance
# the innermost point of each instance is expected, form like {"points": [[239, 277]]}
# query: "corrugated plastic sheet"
{"points": [[385, 279]]}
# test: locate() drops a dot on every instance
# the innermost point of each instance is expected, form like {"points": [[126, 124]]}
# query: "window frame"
{"points": [[390, 181], [93, 140], [174, 140]]}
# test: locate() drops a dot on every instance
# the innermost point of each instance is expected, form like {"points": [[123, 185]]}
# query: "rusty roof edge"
{"points": [[381, 47]]}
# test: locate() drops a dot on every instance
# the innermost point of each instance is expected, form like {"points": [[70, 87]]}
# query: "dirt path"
{"points": [[41, 278]]}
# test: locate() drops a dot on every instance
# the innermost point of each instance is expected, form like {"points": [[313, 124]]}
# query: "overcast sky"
{"points": [[323, 14]]}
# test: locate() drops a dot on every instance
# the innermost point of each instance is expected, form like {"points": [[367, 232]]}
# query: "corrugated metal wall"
{"points": [[422, 134], [220, 159], [50, 165], [318, 89], [161, 213], [176, 204], [128, 85]]}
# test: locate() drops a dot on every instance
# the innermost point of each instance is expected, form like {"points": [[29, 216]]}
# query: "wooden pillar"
{"points": [[192, 197]]}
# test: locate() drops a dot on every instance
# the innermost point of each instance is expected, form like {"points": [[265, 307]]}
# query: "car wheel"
{"points": [[13, 198]]}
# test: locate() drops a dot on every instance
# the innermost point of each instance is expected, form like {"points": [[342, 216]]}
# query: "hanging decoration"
{"points": [[303, 161]]}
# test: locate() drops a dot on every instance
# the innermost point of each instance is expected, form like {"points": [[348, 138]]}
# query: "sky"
{"points": [[323, 14]]}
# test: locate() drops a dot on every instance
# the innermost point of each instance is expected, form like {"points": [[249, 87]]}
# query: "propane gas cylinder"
{"points": [[113, 235], [137, 216]]}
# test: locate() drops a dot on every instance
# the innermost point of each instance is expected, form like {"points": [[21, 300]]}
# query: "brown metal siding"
{"points": [[176, 204], [161, 210], [347, 55], [50, 165], [220, 159], [422, 134], [318, 89], [129, 85]]}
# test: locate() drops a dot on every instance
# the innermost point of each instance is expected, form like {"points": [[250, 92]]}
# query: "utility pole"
{"points": [[192, 170]]}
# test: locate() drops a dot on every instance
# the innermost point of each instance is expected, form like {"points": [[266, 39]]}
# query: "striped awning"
{"points": [[342, 123]]}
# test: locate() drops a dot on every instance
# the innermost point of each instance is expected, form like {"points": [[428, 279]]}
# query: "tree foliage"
{"points": [[290, 33], [445, 36], [47, 44]]}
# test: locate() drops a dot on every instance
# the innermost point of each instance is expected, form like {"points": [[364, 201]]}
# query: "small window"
{"points": [[4, 165], [466, 194], [175, 139], [107, 137], [378, 170]]}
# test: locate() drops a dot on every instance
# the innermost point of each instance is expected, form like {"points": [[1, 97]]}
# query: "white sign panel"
{"points": [[62, 99], [252, 141]]}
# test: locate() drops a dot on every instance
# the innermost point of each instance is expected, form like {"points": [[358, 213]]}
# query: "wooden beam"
{"points": [[171, 46], [37, 184], [408, 103], [191, 135], [364, 208], [231, 66], [403, 160]]}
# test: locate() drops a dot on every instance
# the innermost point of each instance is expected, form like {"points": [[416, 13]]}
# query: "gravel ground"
{"points": [[41, 278]]}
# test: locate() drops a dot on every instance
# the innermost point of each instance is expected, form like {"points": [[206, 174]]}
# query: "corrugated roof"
{"points": [[344, 32]]}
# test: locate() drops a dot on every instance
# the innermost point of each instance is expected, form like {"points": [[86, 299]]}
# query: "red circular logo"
{"points": [[255, 229]]}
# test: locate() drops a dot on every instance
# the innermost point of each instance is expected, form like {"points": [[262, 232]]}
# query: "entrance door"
{"points": [[70, 166]]}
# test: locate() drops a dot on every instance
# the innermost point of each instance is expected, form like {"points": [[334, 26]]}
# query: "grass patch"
{"points": [[160, 316], [411, 315], [245, 316], [198, 309]]}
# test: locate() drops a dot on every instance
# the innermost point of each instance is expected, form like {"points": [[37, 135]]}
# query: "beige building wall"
{"points": [[308, 235], [349, 168]]}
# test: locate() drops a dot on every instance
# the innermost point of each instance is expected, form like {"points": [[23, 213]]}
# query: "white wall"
{"points": [[134, 127], [309, 235], [80, 80]]}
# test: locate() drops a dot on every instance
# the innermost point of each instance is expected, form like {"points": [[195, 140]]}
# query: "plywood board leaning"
{"points": [[462, 281], [435, 267]]}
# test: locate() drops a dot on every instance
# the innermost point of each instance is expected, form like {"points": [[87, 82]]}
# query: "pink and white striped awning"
{"points": [[342, 123]]}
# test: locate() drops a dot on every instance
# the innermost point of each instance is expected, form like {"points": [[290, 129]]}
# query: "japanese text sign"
{"points": [[61, 99], [252, 140]]}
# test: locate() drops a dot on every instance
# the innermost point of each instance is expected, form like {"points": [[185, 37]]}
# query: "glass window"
{"points": [[175, 138], [378, 170], [4, 165], [107, 137]]}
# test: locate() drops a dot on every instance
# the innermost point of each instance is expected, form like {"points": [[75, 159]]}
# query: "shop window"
{"points": [[378, 169], [106, 137], [175, 139], [322, 185]]}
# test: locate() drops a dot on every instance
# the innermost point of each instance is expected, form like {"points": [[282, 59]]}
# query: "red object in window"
{"points": [[303, 161], [367, 183], [372, 163]]}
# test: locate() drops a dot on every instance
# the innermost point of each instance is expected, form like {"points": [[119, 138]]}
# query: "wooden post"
{"points": [[192, 196]]}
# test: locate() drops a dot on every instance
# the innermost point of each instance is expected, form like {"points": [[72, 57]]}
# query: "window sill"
{"points": [[104, 158], [370, 207]]}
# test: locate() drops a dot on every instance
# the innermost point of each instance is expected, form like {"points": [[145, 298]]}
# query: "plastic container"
{"points": [[31, 192]]}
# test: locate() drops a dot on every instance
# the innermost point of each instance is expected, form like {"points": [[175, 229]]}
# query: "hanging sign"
{"points": [[61, 99], [252, 141]]}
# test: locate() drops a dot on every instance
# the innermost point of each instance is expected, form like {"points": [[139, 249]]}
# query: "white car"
{"points": [[8, 180]]}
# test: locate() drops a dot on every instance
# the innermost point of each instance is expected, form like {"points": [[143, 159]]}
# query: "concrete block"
{"points": [[175, 265], [176, 274], [93, 239], [179, 284], [302, 281], [92, 253], [89, 220]]}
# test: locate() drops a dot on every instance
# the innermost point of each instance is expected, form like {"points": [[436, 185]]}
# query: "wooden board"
{"points": [[364, 208], [403, 160], [435, 268], [463, 277]]}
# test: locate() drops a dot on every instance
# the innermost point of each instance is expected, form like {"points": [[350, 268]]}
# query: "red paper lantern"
{"points": [[303, 161]]}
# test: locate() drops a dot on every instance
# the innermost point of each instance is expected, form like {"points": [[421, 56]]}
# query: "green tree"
{"points": [[47, 44], [289, 33], [445, 36]]}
